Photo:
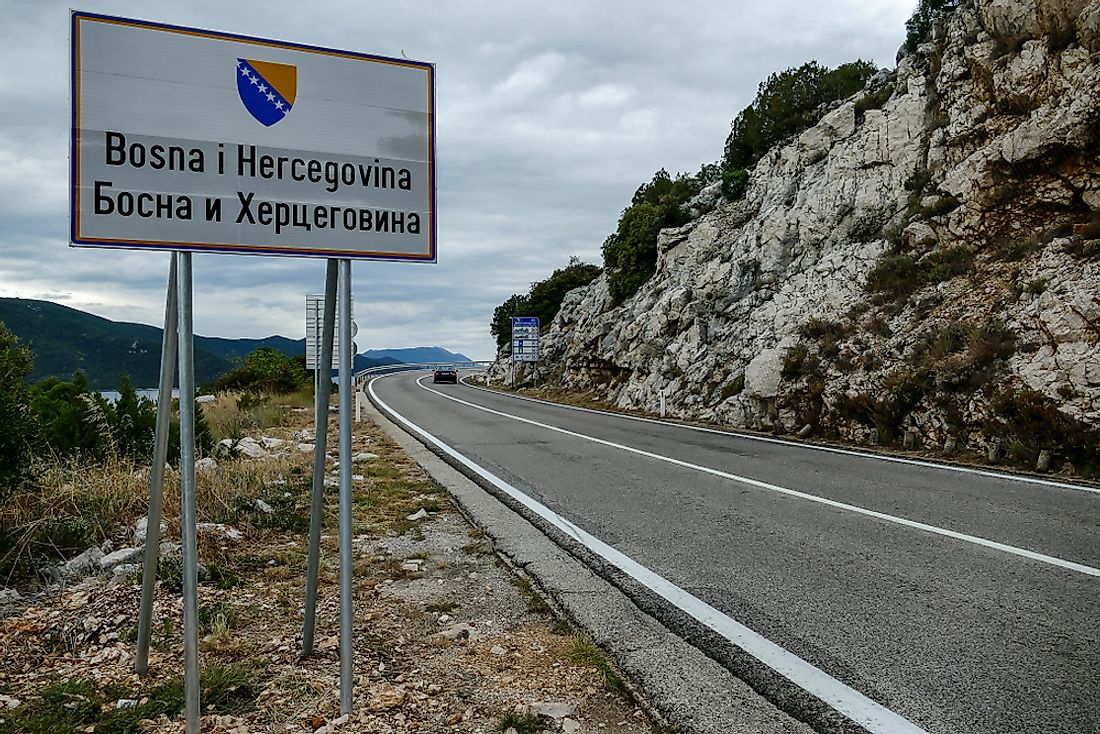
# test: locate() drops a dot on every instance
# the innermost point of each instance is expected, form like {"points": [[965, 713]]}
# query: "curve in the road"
{"points": [[864, 711], [1005, 548], [1024, 479]]}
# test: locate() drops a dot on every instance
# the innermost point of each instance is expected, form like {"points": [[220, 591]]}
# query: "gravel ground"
{"points": [[447, 637]]}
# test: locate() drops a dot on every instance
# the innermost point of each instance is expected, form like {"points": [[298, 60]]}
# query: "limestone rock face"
{"points": [[986, 149]]}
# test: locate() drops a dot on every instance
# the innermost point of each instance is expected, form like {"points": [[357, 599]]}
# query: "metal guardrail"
{"points": [[385, 369]]}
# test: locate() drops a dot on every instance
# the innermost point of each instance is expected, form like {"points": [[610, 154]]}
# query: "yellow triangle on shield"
{"points": [[283, 77]]}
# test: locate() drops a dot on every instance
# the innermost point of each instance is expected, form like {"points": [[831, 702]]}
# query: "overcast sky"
{"points": [[549, 117]]}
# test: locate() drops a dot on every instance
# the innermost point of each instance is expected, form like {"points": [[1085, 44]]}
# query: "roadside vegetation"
{"points": [[74, 465], [543, 300]]}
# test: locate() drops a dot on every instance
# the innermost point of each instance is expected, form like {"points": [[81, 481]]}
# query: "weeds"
{"points": [[896, 277], [78, 705], [535, 603], [733, 387], [583, 652], [523, 723]]}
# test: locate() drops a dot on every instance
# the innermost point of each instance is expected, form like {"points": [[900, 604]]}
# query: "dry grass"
{"points": [[234, 415], [74, 504]]}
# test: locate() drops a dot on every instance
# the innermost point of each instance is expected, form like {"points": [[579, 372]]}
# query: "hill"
{"points": [[66, 339], [416, 354], [918, 266]]}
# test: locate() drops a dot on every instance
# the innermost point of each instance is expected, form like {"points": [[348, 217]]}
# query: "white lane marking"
{"points": [[859, 708], [1023, 552], [796, 444]]}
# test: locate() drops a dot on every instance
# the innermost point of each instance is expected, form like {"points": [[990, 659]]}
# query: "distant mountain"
{"points": [[416, 354], [66, 339]]}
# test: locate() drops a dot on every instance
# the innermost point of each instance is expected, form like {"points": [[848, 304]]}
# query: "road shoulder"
{"points": [[673, 678]]}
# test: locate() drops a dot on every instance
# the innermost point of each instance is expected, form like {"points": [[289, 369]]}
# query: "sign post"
{"points": [[525, 341], [191, 140]]}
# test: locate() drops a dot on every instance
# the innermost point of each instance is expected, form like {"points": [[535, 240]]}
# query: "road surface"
{"points": [[956, 602]]}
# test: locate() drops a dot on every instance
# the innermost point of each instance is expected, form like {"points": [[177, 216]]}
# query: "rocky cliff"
{"points": [[923, 265]]}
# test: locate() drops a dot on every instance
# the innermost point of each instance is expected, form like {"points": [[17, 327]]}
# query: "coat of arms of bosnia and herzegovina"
{"points": [[267, 89]]}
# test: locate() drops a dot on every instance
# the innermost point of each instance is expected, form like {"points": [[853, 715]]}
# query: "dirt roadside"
{"points": [[447, 638]]}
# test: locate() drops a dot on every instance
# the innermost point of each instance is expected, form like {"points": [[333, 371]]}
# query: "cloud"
{"points": [[549, 117]]}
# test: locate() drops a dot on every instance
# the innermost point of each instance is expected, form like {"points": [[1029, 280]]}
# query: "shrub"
{"points": [[787, 103], [902, 391], [1037, 286], [733, 387], [735, 183], [918, 180], [17, 425], [898, 276], [873, 100], [266, 370], [630, 252], [942, 205], [1033, 422], [894, 276]]}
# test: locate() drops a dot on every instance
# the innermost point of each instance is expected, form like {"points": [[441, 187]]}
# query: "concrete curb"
{"points": [[674, 679]]}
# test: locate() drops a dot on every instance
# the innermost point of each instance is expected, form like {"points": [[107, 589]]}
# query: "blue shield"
{"points": [[268, 89]]}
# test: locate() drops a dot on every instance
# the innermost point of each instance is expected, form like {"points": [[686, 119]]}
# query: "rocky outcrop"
{"points": [[987, 152]]}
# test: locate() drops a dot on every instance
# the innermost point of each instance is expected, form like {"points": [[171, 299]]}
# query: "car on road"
{"points": [[445, 374]]}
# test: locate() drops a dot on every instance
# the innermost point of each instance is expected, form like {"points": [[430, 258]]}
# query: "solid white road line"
{"points": [[797, 444], [1023, 552], [872, 716]]}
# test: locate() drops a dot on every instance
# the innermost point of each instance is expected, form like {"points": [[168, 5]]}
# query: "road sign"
{"points": [[525, 338], [187, 139], [315, 319]]}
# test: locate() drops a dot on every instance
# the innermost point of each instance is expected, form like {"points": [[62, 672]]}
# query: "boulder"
{"points": [[764, 374], [122, 555]]}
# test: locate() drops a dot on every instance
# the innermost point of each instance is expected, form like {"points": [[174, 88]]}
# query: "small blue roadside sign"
{"points": [[525, 338]]}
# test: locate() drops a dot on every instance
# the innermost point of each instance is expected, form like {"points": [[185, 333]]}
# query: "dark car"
{"points": [[445, 374]]}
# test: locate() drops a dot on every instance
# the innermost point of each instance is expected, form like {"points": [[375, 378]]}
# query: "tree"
{"points": [[546, 296], [16, 420], [501, 325], [919, 26], [787, 103], [72, 419], [630, 252], [268, 370]]}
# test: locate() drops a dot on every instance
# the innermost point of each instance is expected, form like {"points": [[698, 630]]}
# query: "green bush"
{"points": [[734, 387], [787, 103], [898, 276], [735, 183], [544, 299], [1033, 422], [17, 424], [630, 253], [894, 276], [266, 370], [873, 100]]}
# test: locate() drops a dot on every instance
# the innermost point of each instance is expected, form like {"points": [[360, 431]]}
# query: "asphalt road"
{"points": [[951, 634]]}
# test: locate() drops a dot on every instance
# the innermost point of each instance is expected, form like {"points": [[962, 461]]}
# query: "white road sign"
{"points": [[199, 140], [315, 321]]}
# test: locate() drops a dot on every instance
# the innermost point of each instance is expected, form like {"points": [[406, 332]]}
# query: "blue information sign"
{"points": [[525, 338]]}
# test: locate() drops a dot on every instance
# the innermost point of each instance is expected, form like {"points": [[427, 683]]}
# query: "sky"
{"points": [[549, 116]]}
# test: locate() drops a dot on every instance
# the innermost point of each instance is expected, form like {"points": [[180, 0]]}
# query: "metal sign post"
{"points": [[188, 536], [346, 610], [344, 170], [156, 473], [320, 446]]}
